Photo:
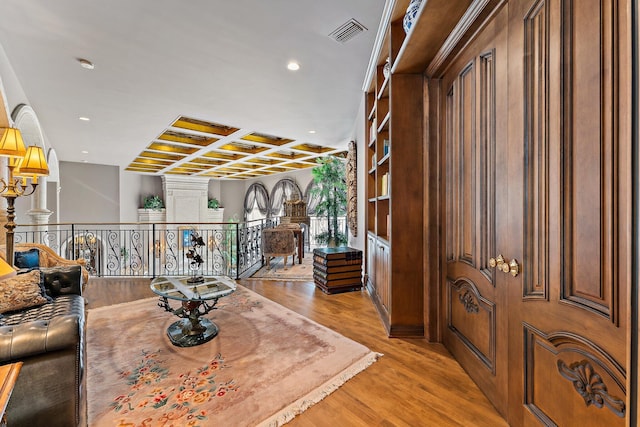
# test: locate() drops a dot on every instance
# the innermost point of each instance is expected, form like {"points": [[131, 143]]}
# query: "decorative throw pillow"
{"points": [[27, 259], [42, 284], [21, 291]]}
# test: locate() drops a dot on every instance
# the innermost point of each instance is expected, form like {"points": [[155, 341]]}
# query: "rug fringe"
{"points": [[299, 406]]}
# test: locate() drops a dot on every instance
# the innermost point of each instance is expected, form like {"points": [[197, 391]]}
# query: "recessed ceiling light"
{"points": [[84, 152], [85, 63], [293, 66], [85, 161], [312, 131], [84, 119]]}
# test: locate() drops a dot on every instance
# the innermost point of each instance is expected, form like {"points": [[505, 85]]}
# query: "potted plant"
{"points": [[152, 210], [213, 203], [331, 189], [215, 210], [152, 202]]}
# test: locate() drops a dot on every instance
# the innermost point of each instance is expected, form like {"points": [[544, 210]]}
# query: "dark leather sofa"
{"points": [[50, 341]]}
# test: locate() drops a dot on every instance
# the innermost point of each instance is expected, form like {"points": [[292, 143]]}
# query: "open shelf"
{"points": [[394, 211]]}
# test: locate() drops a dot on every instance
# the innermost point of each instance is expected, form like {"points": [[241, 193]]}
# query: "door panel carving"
{"points": [[591, 382], [471, 318]]}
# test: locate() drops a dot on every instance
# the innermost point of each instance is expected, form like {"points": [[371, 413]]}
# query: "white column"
{"points": [[4, 172], [39, 213]]}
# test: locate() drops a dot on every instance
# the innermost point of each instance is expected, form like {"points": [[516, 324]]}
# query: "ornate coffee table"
{"points": [[197, 299]]}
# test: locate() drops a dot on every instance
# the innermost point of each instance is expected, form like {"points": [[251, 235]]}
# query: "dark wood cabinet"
{"points": [[337, 269]]}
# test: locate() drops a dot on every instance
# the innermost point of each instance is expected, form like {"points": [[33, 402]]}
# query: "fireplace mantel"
{"points": [[185, 198]]}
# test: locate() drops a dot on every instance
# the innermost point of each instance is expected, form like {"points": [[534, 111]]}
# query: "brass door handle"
{"points": [[506, 267], [514, 268], [496, 262]]}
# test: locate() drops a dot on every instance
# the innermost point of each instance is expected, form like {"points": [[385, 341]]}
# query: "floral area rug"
{"points": [[293, 273], [267, 365]]}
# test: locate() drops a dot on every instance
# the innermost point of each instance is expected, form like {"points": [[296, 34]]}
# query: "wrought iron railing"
{"points": [[319, 226], [148, 250]]}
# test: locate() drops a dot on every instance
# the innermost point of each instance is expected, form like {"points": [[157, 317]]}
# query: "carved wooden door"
{"points": [[568, 224], [537, 213], [474, 132]]}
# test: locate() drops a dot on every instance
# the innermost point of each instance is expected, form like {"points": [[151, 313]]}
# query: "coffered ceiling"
{"points": [[198, 87], [195, 147]]}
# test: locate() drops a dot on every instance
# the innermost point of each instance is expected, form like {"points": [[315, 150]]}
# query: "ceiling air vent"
{"points": [[347, 31]]}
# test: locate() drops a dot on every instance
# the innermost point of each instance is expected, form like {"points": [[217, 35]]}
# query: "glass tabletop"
{"points": [[179, 289]]}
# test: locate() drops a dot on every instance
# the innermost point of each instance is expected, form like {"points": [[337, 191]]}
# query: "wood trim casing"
{"points": [[469, 24], [433, 192], [633, 396]]}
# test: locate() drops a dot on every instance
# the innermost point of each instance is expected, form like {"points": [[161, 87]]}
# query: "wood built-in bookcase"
{"points": [[394, 134], [402, 258]]}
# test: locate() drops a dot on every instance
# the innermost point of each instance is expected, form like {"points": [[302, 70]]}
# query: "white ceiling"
{"points": [[222, 61]]}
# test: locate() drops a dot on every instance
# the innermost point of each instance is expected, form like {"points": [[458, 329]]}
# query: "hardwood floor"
{"points": [[415, 383]]}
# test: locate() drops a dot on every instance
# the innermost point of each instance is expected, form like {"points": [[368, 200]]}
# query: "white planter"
{"points": [[215, 215], [152, 215]]}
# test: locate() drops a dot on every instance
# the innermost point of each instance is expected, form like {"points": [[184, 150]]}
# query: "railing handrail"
{"points": [[135, 223]]}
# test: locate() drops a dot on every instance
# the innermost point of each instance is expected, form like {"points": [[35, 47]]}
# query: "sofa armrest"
{"points": [[62, 280], [39, 336], [49, 258]]}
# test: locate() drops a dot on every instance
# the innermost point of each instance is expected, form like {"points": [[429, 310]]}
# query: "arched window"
{"points": [[312, 199], [256, 202], [285, 189]]}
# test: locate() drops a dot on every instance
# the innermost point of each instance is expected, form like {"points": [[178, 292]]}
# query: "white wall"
{"points": [[150, 185], [214, 190], [232, 198], [129, 184], [11, 96], [11, 86], [89, 193], [358, 135]]}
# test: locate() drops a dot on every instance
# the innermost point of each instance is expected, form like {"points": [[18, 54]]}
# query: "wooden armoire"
{"points": [[521, 114]]}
